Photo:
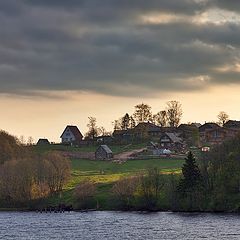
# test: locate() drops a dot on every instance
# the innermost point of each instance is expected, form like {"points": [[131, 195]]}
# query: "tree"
{"points": [[10, 148], [191, 182], [125, 122], [83, 192], [142, 113], [102, 131], [174, 113], [150, 186], [57, 171], [30, 141], [124, 190], [117, 124], [92, 126], [223, 117], [132, 122], [160, 118]]}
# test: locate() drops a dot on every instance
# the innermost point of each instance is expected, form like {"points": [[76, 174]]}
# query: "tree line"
{"points": [[171, 117]]}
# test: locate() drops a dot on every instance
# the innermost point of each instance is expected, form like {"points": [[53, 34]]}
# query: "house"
{"points": [[146, 130], [189, 133], [219, 135], [171, 141], [122, 135], [71, 135], [143, 131], [233, 124], [198, 125], [204, 129], [43, 141], [103, 152]]}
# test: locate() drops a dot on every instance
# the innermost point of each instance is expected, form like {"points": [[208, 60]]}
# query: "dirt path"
{"points": [[124, 156]]}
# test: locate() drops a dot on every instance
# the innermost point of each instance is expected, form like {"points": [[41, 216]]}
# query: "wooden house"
{"points": [[204, 129], [232, 124], [122, 135], [219, 135], [103, 152], [189, 133], [171, 141], [71, 135]]}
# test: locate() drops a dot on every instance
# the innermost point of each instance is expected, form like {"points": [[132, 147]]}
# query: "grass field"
{"points": [[105, 173], [90, 148]]}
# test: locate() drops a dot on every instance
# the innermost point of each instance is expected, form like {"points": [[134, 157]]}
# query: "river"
{"points": [[118, 225]]}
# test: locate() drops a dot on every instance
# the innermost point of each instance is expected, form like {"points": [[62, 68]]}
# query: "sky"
{"points": [[63, 61]]}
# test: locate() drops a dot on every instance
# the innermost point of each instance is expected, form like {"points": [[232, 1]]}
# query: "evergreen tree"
{"points": [[190, 185]]}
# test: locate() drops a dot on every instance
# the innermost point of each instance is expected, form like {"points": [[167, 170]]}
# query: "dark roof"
{"points": [[106, 148], [149, 126], [196, 124], [43, 141], [207, 126], [187, 127], [75, 131], [119, 132], [174, 137], [232, 124]]}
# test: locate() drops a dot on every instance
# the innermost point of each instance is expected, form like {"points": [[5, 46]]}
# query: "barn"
{"points": [[103, 152]]}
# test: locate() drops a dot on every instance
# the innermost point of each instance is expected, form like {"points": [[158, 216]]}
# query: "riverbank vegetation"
{"points": [[32, 179]]}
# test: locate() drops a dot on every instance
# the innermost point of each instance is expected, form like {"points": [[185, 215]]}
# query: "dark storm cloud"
{"points": [[106, 47], [231, 5]]}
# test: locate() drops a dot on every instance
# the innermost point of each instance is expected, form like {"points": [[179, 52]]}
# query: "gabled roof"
{"points": [[43, 141], [174, 138], [106, 148], [232, 124], [75, 131], [149, 126], [184, 126], [208, 126], [119, 132]]}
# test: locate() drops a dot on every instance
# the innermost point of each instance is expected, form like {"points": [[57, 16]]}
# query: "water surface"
{"points": [[118, 225]]}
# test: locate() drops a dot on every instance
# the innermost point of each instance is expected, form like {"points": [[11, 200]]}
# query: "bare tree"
{"points": [[30, 141], [83, 192], [174, 113], [223, 117], [125, 122], [58, 170], [150, 187], [124, 190], [132, 122], [117, 124], [160, 118], [142, 113], [92, 126], [102, 131], [22, 140]]}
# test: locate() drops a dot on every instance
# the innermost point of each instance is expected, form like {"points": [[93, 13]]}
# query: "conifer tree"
{"points": [[191, 174], [191, 184]]}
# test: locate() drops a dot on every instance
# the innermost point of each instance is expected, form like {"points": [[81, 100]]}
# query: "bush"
{"points": [[83, 194]]}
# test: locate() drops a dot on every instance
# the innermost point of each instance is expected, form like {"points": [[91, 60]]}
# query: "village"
{"points": [[155, 141]]}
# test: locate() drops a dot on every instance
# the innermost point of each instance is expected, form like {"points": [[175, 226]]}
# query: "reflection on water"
{"points": [[118, 225]]}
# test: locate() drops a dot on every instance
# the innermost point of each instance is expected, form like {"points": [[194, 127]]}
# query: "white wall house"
{"points": [[71, 134]]}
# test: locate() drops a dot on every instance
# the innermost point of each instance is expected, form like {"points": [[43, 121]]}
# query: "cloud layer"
{"points": [[124, 48]]}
